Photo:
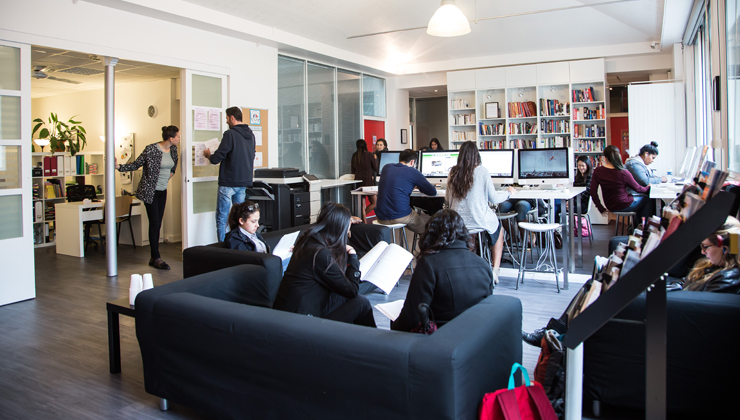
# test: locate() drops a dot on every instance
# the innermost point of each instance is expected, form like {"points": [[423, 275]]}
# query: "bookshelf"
{"points": [[462, 118], [59, 170]]}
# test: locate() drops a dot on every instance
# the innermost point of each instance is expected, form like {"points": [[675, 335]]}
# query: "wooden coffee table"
{"points": [[115, 307]]}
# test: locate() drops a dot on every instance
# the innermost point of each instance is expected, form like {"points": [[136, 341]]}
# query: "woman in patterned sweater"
{"points": [[159, 161]]}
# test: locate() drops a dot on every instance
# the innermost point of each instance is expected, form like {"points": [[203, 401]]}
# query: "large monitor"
{"points": [[545, 166], [386, 158], [500, 164], [435, 165]]}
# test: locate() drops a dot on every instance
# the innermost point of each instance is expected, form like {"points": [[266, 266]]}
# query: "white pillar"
{"points": [[111, 251]]}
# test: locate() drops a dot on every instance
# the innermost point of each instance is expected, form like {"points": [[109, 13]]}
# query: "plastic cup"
{"points": [[148, 283]]}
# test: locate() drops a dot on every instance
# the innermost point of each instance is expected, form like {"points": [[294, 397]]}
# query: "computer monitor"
{"points": [[686, 164], [386, 158], [435, 165], [545, 167], [500, 164]]}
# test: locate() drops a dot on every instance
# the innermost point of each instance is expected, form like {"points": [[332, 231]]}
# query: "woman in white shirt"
{"points": [[469, 192]]}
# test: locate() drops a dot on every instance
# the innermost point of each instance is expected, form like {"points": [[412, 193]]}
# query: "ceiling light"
{"points": [[448, 20]]}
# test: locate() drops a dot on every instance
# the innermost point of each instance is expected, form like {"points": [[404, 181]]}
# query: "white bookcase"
{"points": [[557, 121], [46, 195]]}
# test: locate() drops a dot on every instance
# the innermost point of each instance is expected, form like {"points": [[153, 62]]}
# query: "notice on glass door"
{"points": [[200, 118]]}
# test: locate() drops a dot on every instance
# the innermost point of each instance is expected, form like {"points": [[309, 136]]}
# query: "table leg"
{"points": [[358, 204], [579, 228], [567, 241], [114, 342]]}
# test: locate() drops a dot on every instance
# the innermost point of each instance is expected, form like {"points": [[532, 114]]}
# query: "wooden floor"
{"points": [[54, 349]]}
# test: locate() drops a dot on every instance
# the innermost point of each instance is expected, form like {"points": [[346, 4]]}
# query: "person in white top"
{"points": [[469, 192]]}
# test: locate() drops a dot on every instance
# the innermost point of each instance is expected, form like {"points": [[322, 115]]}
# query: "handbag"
{"points": [[526, 402], [427, 325], [584, 227], [558, 239]]}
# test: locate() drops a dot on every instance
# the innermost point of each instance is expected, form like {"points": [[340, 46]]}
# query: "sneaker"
{"points": [[496, 274], [534, 338]]}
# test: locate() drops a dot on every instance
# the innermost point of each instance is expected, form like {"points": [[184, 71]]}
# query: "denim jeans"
{"points": [[641, 205], [227, 196], [521, 207]]}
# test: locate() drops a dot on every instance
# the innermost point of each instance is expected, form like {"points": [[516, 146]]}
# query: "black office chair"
{"points": [[76, 193]]}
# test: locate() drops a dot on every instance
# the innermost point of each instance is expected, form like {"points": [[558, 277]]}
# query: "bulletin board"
{"points": [[257, 120]]}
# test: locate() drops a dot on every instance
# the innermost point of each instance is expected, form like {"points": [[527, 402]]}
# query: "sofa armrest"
{"points": [[205, 259]]}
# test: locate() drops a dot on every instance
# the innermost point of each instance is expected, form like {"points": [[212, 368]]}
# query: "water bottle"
{"points": [[670, 171]]}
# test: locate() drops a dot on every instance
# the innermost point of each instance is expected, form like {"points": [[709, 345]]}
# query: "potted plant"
{"points": [[61, 135]]}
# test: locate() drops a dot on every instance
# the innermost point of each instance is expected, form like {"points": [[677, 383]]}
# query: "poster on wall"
{"points": [[254, 116]]}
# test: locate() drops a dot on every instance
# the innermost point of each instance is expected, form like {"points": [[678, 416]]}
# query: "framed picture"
{"points": [[404, 136], [492, 110]]}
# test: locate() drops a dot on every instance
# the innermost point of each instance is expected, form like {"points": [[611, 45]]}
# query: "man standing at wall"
{"points": [[236, 155]]}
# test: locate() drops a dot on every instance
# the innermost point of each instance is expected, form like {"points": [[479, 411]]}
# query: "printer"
{"points": [[289, 196]]}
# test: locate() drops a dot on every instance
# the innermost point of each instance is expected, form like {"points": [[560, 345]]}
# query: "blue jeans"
{"points": [[641, 205], [227, 196], [521, 207]]}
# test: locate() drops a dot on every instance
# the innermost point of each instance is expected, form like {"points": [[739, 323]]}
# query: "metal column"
{"points": [[111, 252]]}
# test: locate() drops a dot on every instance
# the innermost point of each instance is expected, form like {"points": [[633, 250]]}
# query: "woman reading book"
{"points": [[323, 276], [469, 190], [448, 276]]}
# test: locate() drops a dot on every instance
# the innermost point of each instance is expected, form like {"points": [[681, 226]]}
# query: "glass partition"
{"points": [[348, 104], [291, 107], [321, 147], [373, 96]]}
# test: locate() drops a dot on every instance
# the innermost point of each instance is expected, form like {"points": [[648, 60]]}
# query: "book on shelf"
{"points": [[584, 95], [522, 109], [557, 141], [522, 128], [555, 126], [596, 145], [463, 136], [384, 265], [459, 104], [586, 113], [492, 129], [463, 119], [584, 130], [553, 107]]}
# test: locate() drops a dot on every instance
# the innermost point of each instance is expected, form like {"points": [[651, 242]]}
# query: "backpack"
{"points": [[550, 370]]}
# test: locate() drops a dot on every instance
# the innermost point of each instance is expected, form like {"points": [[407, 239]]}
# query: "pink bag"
{"points": [[584, 226]]}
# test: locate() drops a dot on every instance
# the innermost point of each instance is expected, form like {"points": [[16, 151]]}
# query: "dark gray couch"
{"points": [[702, 368], [210, 342]]}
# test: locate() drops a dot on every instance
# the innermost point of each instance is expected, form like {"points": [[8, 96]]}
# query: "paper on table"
{"points": [[391, 309], [282, 249], [258, 160]]}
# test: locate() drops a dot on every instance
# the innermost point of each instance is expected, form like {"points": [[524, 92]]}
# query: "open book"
{"points": [[282, 249], [384, 265]]}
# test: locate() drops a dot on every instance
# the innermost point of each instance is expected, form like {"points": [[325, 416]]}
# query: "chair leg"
{"points": [[554, 259], [131, 228], [590, 231]]}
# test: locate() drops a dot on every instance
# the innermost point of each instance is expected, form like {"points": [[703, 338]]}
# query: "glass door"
{"points": [[204, 119], [17, 281]]}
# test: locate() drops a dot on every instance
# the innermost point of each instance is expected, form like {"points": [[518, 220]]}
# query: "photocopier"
{"points": [[287, 197]]}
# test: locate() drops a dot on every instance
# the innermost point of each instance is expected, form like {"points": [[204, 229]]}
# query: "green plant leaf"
{"points": [[54, 117], [38, 120], [44, 133], [82, 129], [36, 128], [74, 122]]}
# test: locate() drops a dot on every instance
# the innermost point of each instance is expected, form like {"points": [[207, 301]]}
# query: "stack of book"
{"points": [[522, 109], [585, 113], [463, 136], [492, 129], [553, 107], [555, 126], [585, 95]]}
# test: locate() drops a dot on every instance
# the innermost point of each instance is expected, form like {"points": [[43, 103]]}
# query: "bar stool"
{"points": [[510, 219], [484, 250], [393, 229], [548, 230], [624, 215]]}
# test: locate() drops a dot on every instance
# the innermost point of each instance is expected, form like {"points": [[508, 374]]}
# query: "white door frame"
{"points": [[200, 228], [17, 281]]}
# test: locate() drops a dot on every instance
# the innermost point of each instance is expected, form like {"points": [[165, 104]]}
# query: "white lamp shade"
{"points": [[42, 142], [448, 20]]}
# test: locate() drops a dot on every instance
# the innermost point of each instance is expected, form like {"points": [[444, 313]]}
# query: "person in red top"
{"points": [[614, 180]]}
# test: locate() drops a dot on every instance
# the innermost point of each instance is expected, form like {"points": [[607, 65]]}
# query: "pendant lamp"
{"points": [[448, 20]]}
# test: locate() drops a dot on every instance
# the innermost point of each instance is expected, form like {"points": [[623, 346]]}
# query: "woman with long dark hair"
{"points": [[159, 161], [614, 181], [364, 165], [582, 179], [469, 190], [435, 145], [448, 276], [323, 277], [380, 146]]}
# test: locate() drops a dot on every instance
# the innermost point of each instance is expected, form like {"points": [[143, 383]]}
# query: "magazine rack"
{"points": [[648, 275]]}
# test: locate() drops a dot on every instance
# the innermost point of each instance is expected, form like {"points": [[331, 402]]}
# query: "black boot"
{"points": [[534, 338]]}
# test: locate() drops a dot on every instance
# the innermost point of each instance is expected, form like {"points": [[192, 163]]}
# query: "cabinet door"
{"points": [[16, 217], [461, 80]]}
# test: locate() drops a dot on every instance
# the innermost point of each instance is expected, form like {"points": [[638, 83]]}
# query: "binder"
{"points": [[38, 211], [60, 165], [73, 165], [68, 166], [47, 166], [53, 165]]}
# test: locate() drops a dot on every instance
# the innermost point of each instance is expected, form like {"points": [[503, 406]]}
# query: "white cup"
{"points": [[135, 287], [148, 283]]}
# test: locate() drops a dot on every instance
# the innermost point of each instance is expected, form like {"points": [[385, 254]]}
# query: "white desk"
{"points": [[551, 195], [664, 193], [70, 218]]}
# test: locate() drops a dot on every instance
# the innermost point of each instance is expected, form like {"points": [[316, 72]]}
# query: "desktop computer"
{"points": [[545, 168], [435, 165], [385, 158], [500, 164]]}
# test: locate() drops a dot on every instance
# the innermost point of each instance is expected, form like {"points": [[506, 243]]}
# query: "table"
{"points": [[70, 217], [565, 195], [115, 307], [664, 192]]}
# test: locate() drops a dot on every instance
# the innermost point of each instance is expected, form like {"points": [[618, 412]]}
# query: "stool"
{"points": [[393, 229], [548, 230], [485, 251], [624, 214]]}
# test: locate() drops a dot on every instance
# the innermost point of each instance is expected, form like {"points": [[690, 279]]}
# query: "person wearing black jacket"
{"points": [[323, 277], [448, 276], [236, 156]]}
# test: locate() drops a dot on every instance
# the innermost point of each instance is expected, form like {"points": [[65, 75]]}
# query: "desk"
{"points": [[71, 216], [664, 192], [551, 195], [115, 307]]}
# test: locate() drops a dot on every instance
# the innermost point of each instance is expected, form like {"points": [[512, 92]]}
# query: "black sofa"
{"points": [[206, 258], [209, 342], [702, 368]]}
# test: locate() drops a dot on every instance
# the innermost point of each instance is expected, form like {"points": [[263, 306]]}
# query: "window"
{"points": [[321, 144], [373, 96], [349, 119], [291, 106], [732, 37]]}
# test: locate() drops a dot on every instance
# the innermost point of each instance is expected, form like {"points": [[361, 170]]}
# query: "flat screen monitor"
{"points": [[686, 164], [545, 166], [385, 158], [436, 164], [500, 164]]}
